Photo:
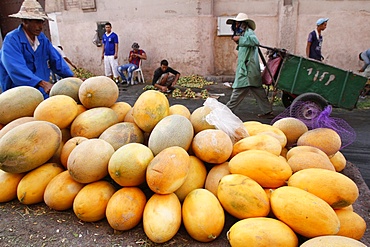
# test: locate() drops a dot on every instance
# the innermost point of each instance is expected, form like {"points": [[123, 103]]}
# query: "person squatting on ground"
{"points": [[315, 39], [27, 56], [134, 58], [365, 57], [248, 74], [110, 52], [165, 78]]}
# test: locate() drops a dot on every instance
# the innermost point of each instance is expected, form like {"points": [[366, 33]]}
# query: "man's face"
{"points": [[164, 67], [33, 27], [108, 28]]}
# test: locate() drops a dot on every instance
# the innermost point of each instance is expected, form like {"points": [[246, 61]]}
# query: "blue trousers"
{"points": [[128, 68]]}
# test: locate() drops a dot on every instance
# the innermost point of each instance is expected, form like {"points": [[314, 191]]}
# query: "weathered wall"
{"points": [[185, 32]]}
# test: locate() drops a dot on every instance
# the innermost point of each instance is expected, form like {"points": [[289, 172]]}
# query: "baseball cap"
{"points": [[321, 21]]}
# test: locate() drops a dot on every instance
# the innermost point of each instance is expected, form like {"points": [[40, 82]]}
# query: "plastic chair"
{"points": [[138, 73]]}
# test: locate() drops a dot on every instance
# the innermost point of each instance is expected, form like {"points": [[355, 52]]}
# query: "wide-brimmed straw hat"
{"points": [[31, 10], [242, 17]]}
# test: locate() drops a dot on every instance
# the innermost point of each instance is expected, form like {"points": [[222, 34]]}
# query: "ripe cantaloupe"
{"points": [[91, 201], [121, 134], [267, 169], [32, 186], [60, 110], [68, 147], [352, 225], [15, 123], [214, 176], [8, 185], [212, 145], [121, 109], [168, 170], [292, 127], [93, 122], [173, 130], [261, 231], [258, 142], [128, 164], [199, 207], [125, 208], [28, 146], [332, 241], [307, 214], [162, 217], [150, 108], [67, 86], [198, 119], [88, 162], [98, 91], [195, 178], [242, 197], [61, 191], [180, 110], [325, 139], [304, 160], [335, 188], [19, 102]]}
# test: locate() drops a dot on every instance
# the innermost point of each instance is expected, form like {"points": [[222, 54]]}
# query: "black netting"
{"points": [[314, 118]]}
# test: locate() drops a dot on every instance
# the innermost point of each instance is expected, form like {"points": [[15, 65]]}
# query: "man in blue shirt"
{"points": [[27, 55], [110, 52], [315, 39]]}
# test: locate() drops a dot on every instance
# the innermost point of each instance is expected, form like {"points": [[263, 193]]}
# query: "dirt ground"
{"points": [[38, 225]]}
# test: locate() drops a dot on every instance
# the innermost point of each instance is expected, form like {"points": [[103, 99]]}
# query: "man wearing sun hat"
{"points": [[315, 39], [248, 74], [27, 55]]}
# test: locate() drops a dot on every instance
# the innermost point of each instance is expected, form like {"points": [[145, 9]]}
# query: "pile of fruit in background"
{"points": [[82, 150]]}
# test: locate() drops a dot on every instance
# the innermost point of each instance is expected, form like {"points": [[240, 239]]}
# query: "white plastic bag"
{"points": [[224, 119]]}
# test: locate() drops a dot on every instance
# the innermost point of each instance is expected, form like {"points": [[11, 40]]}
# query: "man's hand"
{"points": [[46, 86]]}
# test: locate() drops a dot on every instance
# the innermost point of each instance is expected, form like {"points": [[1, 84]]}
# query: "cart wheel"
{"points": [[287, 99], [307, 106]]}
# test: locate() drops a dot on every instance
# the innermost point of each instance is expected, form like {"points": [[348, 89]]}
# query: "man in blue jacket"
{"points": [[27, 55]]}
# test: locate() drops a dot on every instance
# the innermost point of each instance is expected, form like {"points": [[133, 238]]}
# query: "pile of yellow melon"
{"points": [[80, 149]]}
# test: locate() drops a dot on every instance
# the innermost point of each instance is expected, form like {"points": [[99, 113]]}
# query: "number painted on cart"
{"points": [[321, 76]]}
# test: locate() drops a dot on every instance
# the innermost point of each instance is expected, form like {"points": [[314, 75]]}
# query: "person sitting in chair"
{"points": [[135, 56]]}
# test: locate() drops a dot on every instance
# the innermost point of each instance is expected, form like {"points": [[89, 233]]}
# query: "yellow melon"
{"points": [[323, 138], [173, 130], [91, 201], [8, 185], [180, 110], [68, 147], [88, 162], [242, 197], [267, 169], [61, 191], [162, 217], [194, 180], [258, 142], [28, 146], [121, 109], [304, 160], [332, 241], [299, 149], [214, 176], [307, 214], [339, 161], [168, 170], [198, 119], [93, 122], [261, 231], [80, 109], [19, 102], [15, 123], [335, 188], [129, 117], [352, 225], [128, 164], [121, 134], [98, 91], [60, 110], [125, 208], [292, 127], [32, 186], [67, 86], [260, 128], [150, 108], [199, 207], [212, 146]]}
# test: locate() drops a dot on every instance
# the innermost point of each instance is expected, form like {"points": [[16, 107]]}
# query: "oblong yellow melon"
{"points": [[257, 128], [198, 119], [121, 109], [292, 127], [8, 185], [332, 241], [28, 146], [214, 176], [304, 160], [180, 110], [67, 86], [15, 123], [258, 142], [352, 225]]}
